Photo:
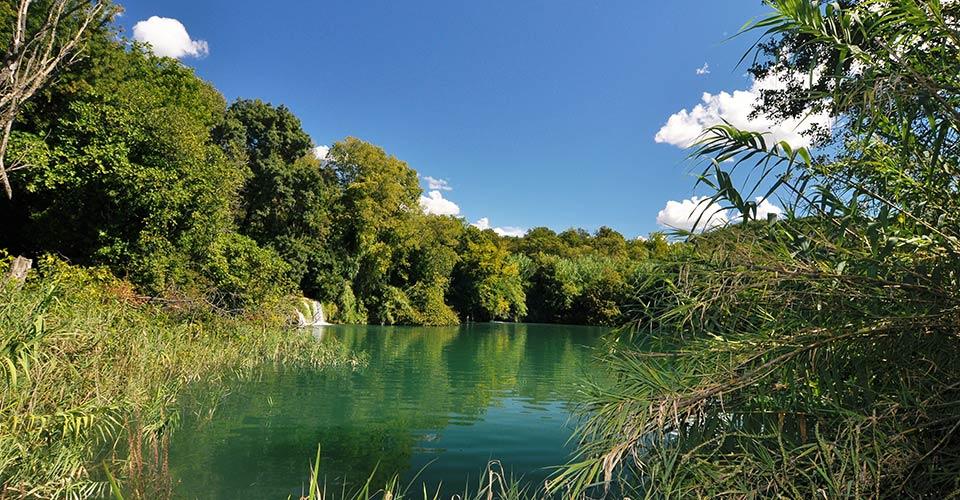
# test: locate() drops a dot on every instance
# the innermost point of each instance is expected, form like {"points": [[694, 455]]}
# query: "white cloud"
{"points": [[437, 184], [321, 152], [484, 224], [169, 38], [685, 127], [436, 204], [683, 215], [765, 208], [516, 232], [703, 70]]}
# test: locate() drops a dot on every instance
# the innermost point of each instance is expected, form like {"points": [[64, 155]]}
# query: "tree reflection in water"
{"points": [[452, 398]]}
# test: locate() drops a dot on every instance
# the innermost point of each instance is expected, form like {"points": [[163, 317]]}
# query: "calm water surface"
{"points": [[450, 399]]}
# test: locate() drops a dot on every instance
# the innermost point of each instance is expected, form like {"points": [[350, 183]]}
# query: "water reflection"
{"points": [[449, 397]]}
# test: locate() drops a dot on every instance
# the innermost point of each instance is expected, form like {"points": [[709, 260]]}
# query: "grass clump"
{"points": [[494, 483], [91, 374]]}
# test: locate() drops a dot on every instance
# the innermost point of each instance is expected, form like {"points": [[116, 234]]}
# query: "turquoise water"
{"points": [[445, 400]]}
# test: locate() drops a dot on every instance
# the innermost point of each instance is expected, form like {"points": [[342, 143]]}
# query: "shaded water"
{"points": [[453, 398]]}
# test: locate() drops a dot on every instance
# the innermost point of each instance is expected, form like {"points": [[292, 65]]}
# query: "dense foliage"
{"points": [[811, 357], [818, 356], [127, 176], [138, 165]]}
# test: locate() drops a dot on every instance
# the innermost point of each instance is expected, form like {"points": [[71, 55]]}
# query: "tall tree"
{"points": [[131, 178], [486, 283], [289, 197], [45, 37], [378, 207]]}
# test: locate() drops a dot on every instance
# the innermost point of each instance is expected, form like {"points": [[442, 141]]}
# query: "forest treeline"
{"points": [[136, 164]]}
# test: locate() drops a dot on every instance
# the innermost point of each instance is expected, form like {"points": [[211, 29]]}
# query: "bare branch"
{"points": [[33, 57]]}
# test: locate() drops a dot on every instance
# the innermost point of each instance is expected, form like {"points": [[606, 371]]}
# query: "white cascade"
{"points": [[310, 313]]}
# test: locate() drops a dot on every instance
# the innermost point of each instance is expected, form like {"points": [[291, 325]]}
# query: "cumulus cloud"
{"points": [[703, 70], [169, 38], [683, 215], [686, 126], [437, 184], [436, 204], [321, 152], [516, 232], [484, 224]]}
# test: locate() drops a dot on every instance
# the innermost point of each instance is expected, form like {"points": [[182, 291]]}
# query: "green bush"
{"points": [[244, 275], [427, 299]]}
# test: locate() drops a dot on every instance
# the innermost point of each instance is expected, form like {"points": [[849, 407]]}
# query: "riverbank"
{"points": [[92, 376]]}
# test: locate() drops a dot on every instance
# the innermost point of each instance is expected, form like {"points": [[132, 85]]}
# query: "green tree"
{"points": [[289, 198], [542, 240], [378, 210], [608, 242], [487, 283], [40, 39], [130, 178], [575, 238]]}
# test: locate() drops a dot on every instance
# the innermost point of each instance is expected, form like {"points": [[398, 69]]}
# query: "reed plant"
{"points": [[817, 356], [493, 484], [93, 375]]}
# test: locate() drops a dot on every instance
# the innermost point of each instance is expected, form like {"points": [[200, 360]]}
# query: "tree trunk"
{"points": [[4, 143], [19, 269]]}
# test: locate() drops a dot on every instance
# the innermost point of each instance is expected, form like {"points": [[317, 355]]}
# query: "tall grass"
{"points": [[494, 484], [91, 374], [819, 356]]}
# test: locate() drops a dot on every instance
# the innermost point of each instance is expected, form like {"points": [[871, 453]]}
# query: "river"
{"points": [[442, 400]]}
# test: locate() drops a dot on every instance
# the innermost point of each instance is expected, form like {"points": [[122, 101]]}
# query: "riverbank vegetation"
{"points": [[815, 357], [92, 374], [171, 231]]}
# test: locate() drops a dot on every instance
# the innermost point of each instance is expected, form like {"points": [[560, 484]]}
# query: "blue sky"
{"points": [[537, 113]]}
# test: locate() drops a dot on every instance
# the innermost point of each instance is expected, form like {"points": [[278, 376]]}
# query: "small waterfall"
{"points": [[310, 313]]}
